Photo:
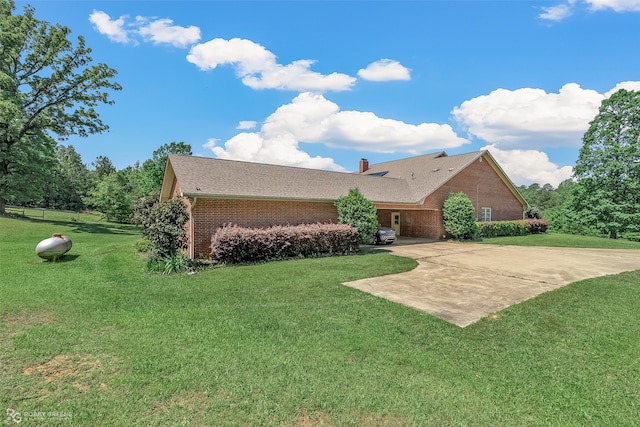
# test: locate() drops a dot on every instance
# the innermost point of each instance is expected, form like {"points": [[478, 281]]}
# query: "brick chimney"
{"points": [[364, 165]]}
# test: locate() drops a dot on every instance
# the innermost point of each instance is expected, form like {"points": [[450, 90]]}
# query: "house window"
{"points": [[486, 215]]}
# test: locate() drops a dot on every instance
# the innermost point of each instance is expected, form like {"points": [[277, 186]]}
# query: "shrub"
{"points": [[459, 216], [512, 228], [358, 211], [537, 226], [232, 244], [503, 228], [163, 224], [533, 212], [143, 245]]}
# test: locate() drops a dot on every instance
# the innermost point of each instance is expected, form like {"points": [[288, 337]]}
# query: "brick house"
{"points": [[408, 193]]}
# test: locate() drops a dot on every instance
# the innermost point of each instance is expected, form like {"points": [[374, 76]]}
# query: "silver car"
{"points": [[385, 236]]}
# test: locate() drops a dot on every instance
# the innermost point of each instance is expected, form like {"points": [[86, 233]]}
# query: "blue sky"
{"points": [[323, 84]]}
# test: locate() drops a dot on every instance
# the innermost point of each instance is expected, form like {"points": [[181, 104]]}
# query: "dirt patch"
{"points": [[304, 419], [79, 371], [29, 319], [189, 401]]}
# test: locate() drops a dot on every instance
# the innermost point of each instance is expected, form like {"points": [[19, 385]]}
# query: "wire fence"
{"points": [[39, 212]]}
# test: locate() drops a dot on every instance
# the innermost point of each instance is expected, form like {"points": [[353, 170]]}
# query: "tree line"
{"points": [[61, 180]]}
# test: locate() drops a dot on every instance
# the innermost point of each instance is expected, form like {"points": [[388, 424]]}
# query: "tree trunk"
{"points": [[613, 234]]}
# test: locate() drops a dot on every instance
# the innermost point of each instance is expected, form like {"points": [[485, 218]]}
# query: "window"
{"points": [[486, 215]]}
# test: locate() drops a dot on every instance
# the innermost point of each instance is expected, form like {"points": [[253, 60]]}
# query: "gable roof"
{"points": [[425, 174], [201, 176], [404, 181]]}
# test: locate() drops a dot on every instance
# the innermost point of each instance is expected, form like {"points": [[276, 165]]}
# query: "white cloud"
{"points": [[616, 5], [258, 68], [631, 86], [529, 166], [311, 118], [557, 13], [112, 28], [385, 70], [246, 124], [157, 31], [162, 31], [534, 117], [564, 10]]}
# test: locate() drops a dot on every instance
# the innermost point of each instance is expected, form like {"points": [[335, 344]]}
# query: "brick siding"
{"points": [[210, 214], [414, 222], [485, 188]]}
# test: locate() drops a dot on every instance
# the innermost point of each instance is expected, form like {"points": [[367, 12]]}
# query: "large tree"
{"points": [[606, 198], [48, 85], [72, 181], [31, 171], [102, 167], [115, 196], [153, 169]]}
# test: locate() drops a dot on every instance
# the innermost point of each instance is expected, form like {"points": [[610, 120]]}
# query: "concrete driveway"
{"points": [[464, 282]]}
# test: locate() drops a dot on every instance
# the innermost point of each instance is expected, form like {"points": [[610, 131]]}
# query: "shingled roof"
{"points": [[425, 174], [207, 177], [408, 180]]}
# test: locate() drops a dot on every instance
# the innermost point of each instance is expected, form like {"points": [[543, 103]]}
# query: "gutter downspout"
{"points": [[192, 248]]}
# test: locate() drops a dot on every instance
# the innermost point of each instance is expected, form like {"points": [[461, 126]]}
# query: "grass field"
{"points": [[100, 341], [563, 241]]}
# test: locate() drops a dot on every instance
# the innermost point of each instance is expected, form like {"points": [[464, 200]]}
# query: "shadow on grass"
{"points": [[67, 258], [86, 227]]}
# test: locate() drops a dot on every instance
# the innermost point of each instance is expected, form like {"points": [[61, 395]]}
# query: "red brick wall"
{"points": [[414, 223], [209, 214], [485, 188]]}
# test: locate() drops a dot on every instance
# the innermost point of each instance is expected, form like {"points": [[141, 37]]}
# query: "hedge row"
{"points": [[512, 228], [233, 245]]}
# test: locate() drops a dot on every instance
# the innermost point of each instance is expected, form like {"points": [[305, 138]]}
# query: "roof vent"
{"points": [[435, 170], [450, 169]]}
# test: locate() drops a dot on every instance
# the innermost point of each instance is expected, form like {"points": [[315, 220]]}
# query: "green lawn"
{"points": [[99, 340], [563, 241]]}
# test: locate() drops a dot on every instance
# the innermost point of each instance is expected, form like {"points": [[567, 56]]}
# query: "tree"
{"points": [[72, 181], [606, 198], [102, 167], [153, 169], [47, 85], [30, 172], [114, 196], [459, 217], [359, 212]]}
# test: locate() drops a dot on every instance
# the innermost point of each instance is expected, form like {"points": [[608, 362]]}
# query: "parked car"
{"points": [[385, 235]]}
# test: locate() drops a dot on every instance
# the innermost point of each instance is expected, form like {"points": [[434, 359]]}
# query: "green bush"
{"points": [[163, 224], [143, 245], [459, 216], [511, 228], [358, 211], [503, 228], [233, 245]]}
